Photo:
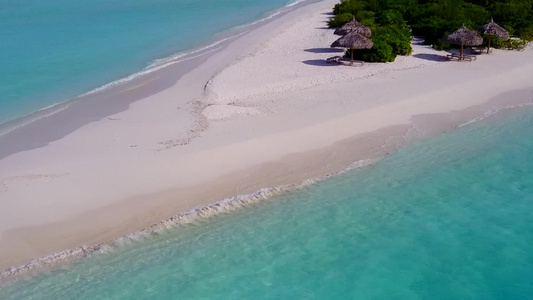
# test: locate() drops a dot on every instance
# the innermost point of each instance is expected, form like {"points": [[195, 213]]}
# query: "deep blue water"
{"points": [[54, 50], [446, 218]]}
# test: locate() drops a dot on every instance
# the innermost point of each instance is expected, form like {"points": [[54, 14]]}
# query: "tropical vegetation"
{"points": [[393, 21]]}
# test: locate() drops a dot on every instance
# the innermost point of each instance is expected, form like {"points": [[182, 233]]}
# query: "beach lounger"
{"points": [[459, 57], [480, 50], [344, 61], [477, 50], [333, 59]]}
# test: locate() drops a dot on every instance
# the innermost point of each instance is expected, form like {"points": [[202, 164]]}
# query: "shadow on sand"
{"points": [[432, 57], [318, 62], [324, 50]]}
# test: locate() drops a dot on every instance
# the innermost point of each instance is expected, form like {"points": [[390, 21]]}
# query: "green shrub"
{"points": [[511, 44], [339, 20], [390, 33], [381, 52], [365, 17], [349, 6], [400, 47], [432, 20], [527, 34], [439, 45], [398, 37], [514, 44], [391, 17]]}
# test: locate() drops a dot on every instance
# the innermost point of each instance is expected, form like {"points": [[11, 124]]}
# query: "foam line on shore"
{"points": [[492, 111], [197, 214], [160, 63], [156, 65], [192, 216], [58, 107], [336, 119], [9, 126]]}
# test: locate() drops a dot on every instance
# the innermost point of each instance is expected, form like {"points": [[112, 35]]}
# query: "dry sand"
{"points": [[277, 115]]}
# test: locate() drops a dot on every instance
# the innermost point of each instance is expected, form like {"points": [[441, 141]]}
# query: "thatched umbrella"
{"points": [[351, 26], [492, 29], [464, 37], [353, 40]]}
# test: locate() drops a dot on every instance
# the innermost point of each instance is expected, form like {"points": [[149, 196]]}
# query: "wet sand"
{"points": [[264, 111]]}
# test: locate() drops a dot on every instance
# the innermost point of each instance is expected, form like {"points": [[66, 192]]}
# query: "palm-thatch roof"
{"points": [[353, 40], [352, 26], [464, 37], [494, 29]]}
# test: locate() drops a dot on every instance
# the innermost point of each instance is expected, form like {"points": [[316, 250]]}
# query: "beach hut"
{"points": [[352, 41], [464, 37], [492, 29], [353, 26]]}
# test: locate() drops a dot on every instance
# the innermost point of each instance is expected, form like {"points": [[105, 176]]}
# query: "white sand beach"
{"points": [[265, 111]]}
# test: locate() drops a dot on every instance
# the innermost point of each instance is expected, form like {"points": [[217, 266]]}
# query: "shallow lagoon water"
{"points": [[57, 49], [443, 218]]}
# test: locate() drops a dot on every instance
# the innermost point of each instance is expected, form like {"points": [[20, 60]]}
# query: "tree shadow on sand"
{"points": [[318, 62], [324, 50], [431, 57]]}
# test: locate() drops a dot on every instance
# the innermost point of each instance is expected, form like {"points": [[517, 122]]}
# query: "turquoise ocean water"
{"points": [[446, 218], [54, 50]]}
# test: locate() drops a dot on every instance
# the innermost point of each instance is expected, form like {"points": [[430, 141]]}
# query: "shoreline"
{"points": [[68, 256], [370, 157], [214, 43], [160, 75], [252, 132], [117, 99]]}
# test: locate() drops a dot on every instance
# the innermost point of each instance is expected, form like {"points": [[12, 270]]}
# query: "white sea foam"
{"points": [[264, 19], [295, 3], [151, 70], [192, 216], [491, 112], [176, 57], [6, 128], [285, 9], [158, 64], [189, 217], [58, 107], [180, 57]]}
